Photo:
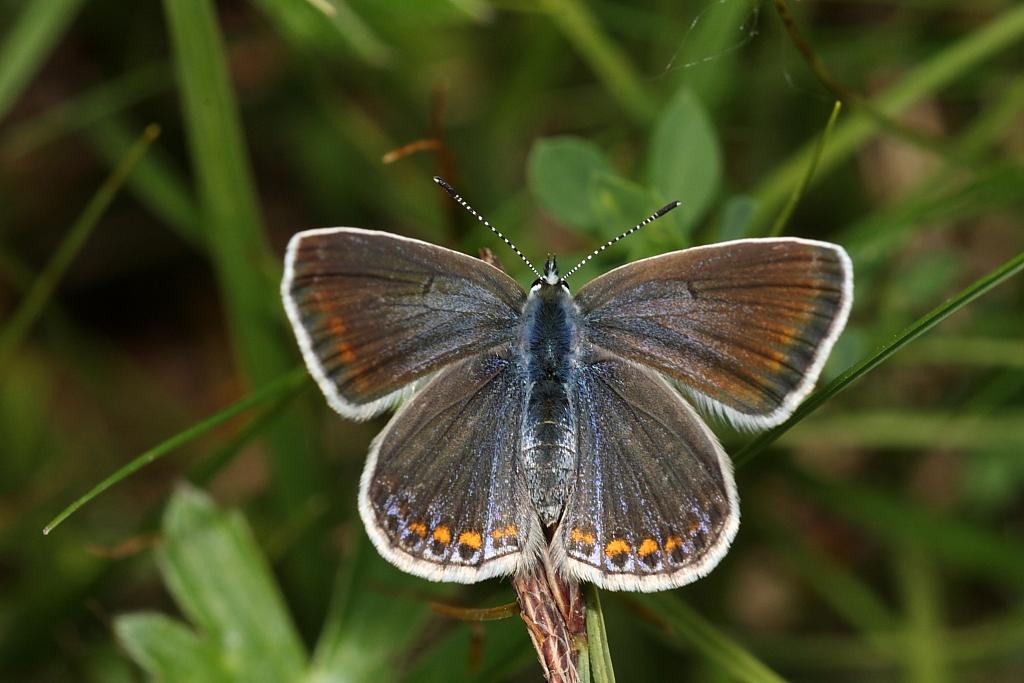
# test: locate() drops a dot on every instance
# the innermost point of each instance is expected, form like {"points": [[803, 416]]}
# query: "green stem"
{"points": [[801, 187], [574, 19]]}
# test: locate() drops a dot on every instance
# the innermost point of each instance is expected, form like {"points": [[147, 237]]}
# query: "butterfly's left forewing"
{"points": [[654, 504], [374, 312], [442, 494]]}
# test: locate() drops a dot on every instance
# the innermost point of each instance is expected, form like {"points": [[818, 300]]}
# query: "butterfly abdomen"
{"points": [[548, 446]]}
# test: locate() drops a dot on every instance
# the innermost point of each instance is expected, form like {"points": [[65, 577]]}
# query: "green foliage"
{"points": [[684, 161], [220, 579], [881, 524]]}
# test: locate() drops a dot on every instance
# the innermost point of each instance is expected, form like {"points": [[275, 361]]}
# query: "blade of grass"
{"points": [[901, 429], [943, 68], [925, 653], [246, 273], [32, 305], [599, 656], [156, 182], [976, 289], [279, 389], [687, 625], [28, 43], [783, 218], [88, 108]]}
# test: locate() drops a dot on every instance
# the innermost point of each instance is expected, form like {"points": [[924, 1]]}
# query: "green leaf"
{"points": [[737, 218], [370, 620], [220, 579], [689, 626], [168, 650], [684, 160], [28, 43], [618, 204], [561, 171]]}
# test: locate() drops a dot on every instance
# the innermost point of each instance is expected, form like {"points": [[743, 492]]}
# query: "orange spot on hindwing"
{"points": [[470, 539], [443, 535], [648, 547], [616, 547]]}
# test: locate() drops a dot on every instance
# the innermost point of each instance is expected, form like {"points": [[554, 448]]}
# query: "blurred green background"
{"points": [[881, 537]]}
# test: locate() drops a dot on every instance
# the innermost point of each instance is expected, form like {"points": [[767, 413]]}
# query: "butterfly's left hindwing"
{"points": [[653, 504], [442, 494]]}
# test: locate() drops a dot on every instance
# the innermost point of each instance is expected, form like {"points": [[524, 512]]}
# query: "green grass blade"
{"points": [[599, 654], [247, 273], [31, 307], [687, 625], [925, 651], [82, 111], [610, 64], [157, 183], [935, 73], [920, 326], [288, 384], [28, 43], [783, 218]]}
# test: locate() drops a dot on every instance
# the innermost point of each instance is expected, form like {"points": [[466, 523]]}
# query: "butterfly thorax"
{"points": [[548, 348]]}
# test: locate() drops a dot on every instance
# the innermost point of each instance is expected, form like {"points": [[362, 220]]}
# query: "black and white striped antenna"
{"points": [[464, 204], [647, 221]]}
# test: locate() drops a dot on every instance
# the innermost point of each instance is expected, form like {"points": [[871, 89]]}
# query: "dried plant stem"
{"points": [[555, 616]]}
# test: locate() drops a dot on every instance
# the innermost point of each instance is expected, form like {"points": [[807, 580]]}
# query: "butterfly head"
{"points": [[551, 271]]}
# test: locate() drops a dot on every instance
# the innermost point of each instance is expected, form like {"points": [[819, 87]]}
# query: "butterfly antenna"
{"points": [[465, 205], [647, 221]]}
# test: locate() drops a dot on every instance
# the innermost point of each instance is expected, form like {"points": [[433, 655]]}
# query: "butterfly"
{"points": [[550, 418]]}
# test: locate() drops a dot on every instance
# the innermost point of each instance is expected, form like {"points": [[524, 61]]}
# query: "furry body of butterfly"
{"points": [[548, 350]]}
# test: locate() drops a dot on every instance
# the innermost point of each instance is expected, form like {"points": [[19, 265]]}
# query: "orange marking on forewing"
{"points": [[471, 538], [418, 528], [443, 535], [616, 546], [672, 542], [579, 536], [648, 546]]}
